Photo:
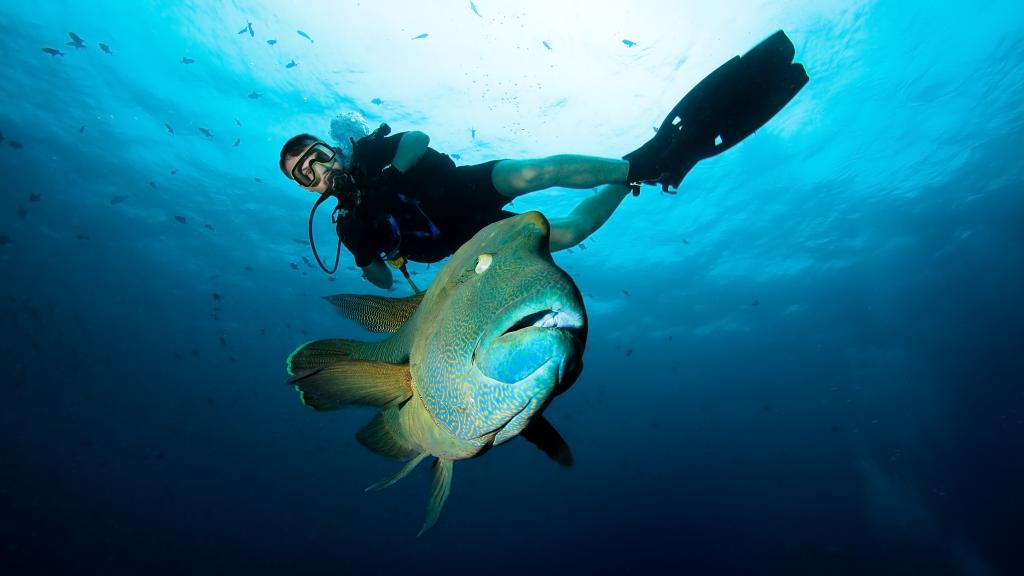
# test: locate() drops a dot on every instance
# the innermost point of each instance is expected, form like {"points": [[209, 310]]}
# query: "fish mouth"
{"points": [[567, 320]]}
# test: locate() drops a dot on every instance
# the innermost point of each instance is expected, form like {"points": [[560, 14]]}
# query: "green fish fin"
{"points": [[439, 493], [543, 435], [320, 353], [354, 383], [398, 475], [376, 313], [383, 435]]}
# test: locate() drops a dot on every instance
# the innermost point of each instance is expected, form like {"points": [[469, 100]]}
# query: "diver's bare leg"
{"points": [[586, 217], [517, 177]]}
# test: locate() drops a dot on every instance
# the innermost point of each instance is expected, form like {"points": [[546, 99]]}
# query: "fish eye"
{"points": [[483, 262]]}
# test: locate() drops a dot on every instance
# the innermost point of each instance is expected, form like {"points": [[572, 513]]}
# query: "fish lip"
{"points": [[573, 313]]}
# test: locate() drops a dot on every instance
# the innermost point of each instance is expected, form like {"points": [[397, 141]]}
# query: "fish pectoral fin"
{"points": [[384, 436], [320, 353], [441, 487], [376, 313], [354, 383], [543, 435], [402, 473]]}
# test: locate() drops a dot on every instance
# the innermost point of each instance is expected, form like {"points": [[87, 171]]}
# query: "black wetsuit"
{"points": [[423, 215]]}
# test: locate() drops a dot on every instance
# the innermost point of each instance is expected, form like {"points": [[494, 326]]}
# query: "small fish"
{"points": [[629, 43], [259, 180], [223, 340], [249, 269], [247, 28], [685, 241], [304, 35], [81, 237], [81, 129], [206, 132], [546, 45], [377, 101], [238, 122], [53, 52], [254, 95], [5, 240], [105, 48], [308, 263], [22, 213], [291, 64], [185, 60], [583, 246], [209, 227], [421, 36], [118, 199], [217, 296], [174, 171], [293, 265], [755, 303], [35, 197], [152, 184], [629, 352], [76, 40], [569, 250], [237, 142], [473, 7], [331, 278], [181, 219], [456, 156], [626, 292], [472, 133], [169, 128], [271, 41], [15, 144]]}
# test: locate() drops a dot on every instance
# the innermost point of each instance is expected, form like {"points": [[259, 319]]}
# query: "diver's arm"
{"points": [[410, 149], [378, 273]]}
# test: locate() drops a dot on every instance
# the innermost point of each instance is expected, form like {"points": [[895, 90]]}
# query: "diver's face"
{"points": [[315, 168]]}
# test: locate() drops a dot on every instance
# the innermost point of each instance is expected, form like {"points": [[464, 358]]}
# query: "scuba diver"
{"points": [[400, 200]]}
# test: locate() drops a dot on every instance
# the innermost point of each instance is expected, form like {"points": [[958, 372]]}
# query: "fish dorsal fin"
{"points": [[543, 435], [354, 383], [376, 313]]}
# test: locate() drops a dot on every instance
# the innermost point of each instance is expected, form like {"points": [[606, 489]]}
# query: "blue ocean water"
{"points": [[806, 362]]}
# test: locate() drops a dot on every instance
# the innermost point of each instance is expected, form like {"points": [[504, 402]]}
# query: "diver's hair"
{"points": [[294, 147]]}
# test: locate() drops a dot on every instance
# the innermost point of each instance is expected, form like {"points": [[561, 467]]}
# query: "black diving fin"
{"points": [[719, 112]]}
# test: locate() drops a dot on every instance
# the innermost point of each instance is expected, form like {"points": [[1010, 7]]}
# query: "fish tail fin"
{"points": [[439, 493], [320, 353], [345, 382]]}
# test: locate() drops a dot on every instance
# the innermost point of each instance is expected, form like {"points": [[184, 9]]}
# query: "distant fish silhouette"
{"points": [[22, 213], [181, 219], [304, 35], [259, 180], [291, 64], [5, 240], [377, 101], [247, 28], [105, 48], [152, 184], [81, 236], [53, 52], [583, 246], [81, 129], [174, 171], [546, 45], [307, 262], [118, 199], [271, 41], [254, 95], [755, 303], [208, 227], [237, 142], [185, 60], [206, 132], [15, 144], [421, 36], [293, 265], [456, 156], [237, 121], [472, 133], [76, 40], [685, 241], [473, 7], [626, 292], [169, 128], [629, 43], [34, 197]]}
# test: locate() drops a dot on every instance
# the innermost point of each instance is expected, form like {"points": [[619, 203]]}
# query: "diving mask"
{"points": [[309, 175]]}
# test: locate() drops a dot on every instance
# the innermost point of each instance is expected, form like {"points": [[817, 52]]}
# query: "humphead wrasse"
{"points": [[471, 363]]}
